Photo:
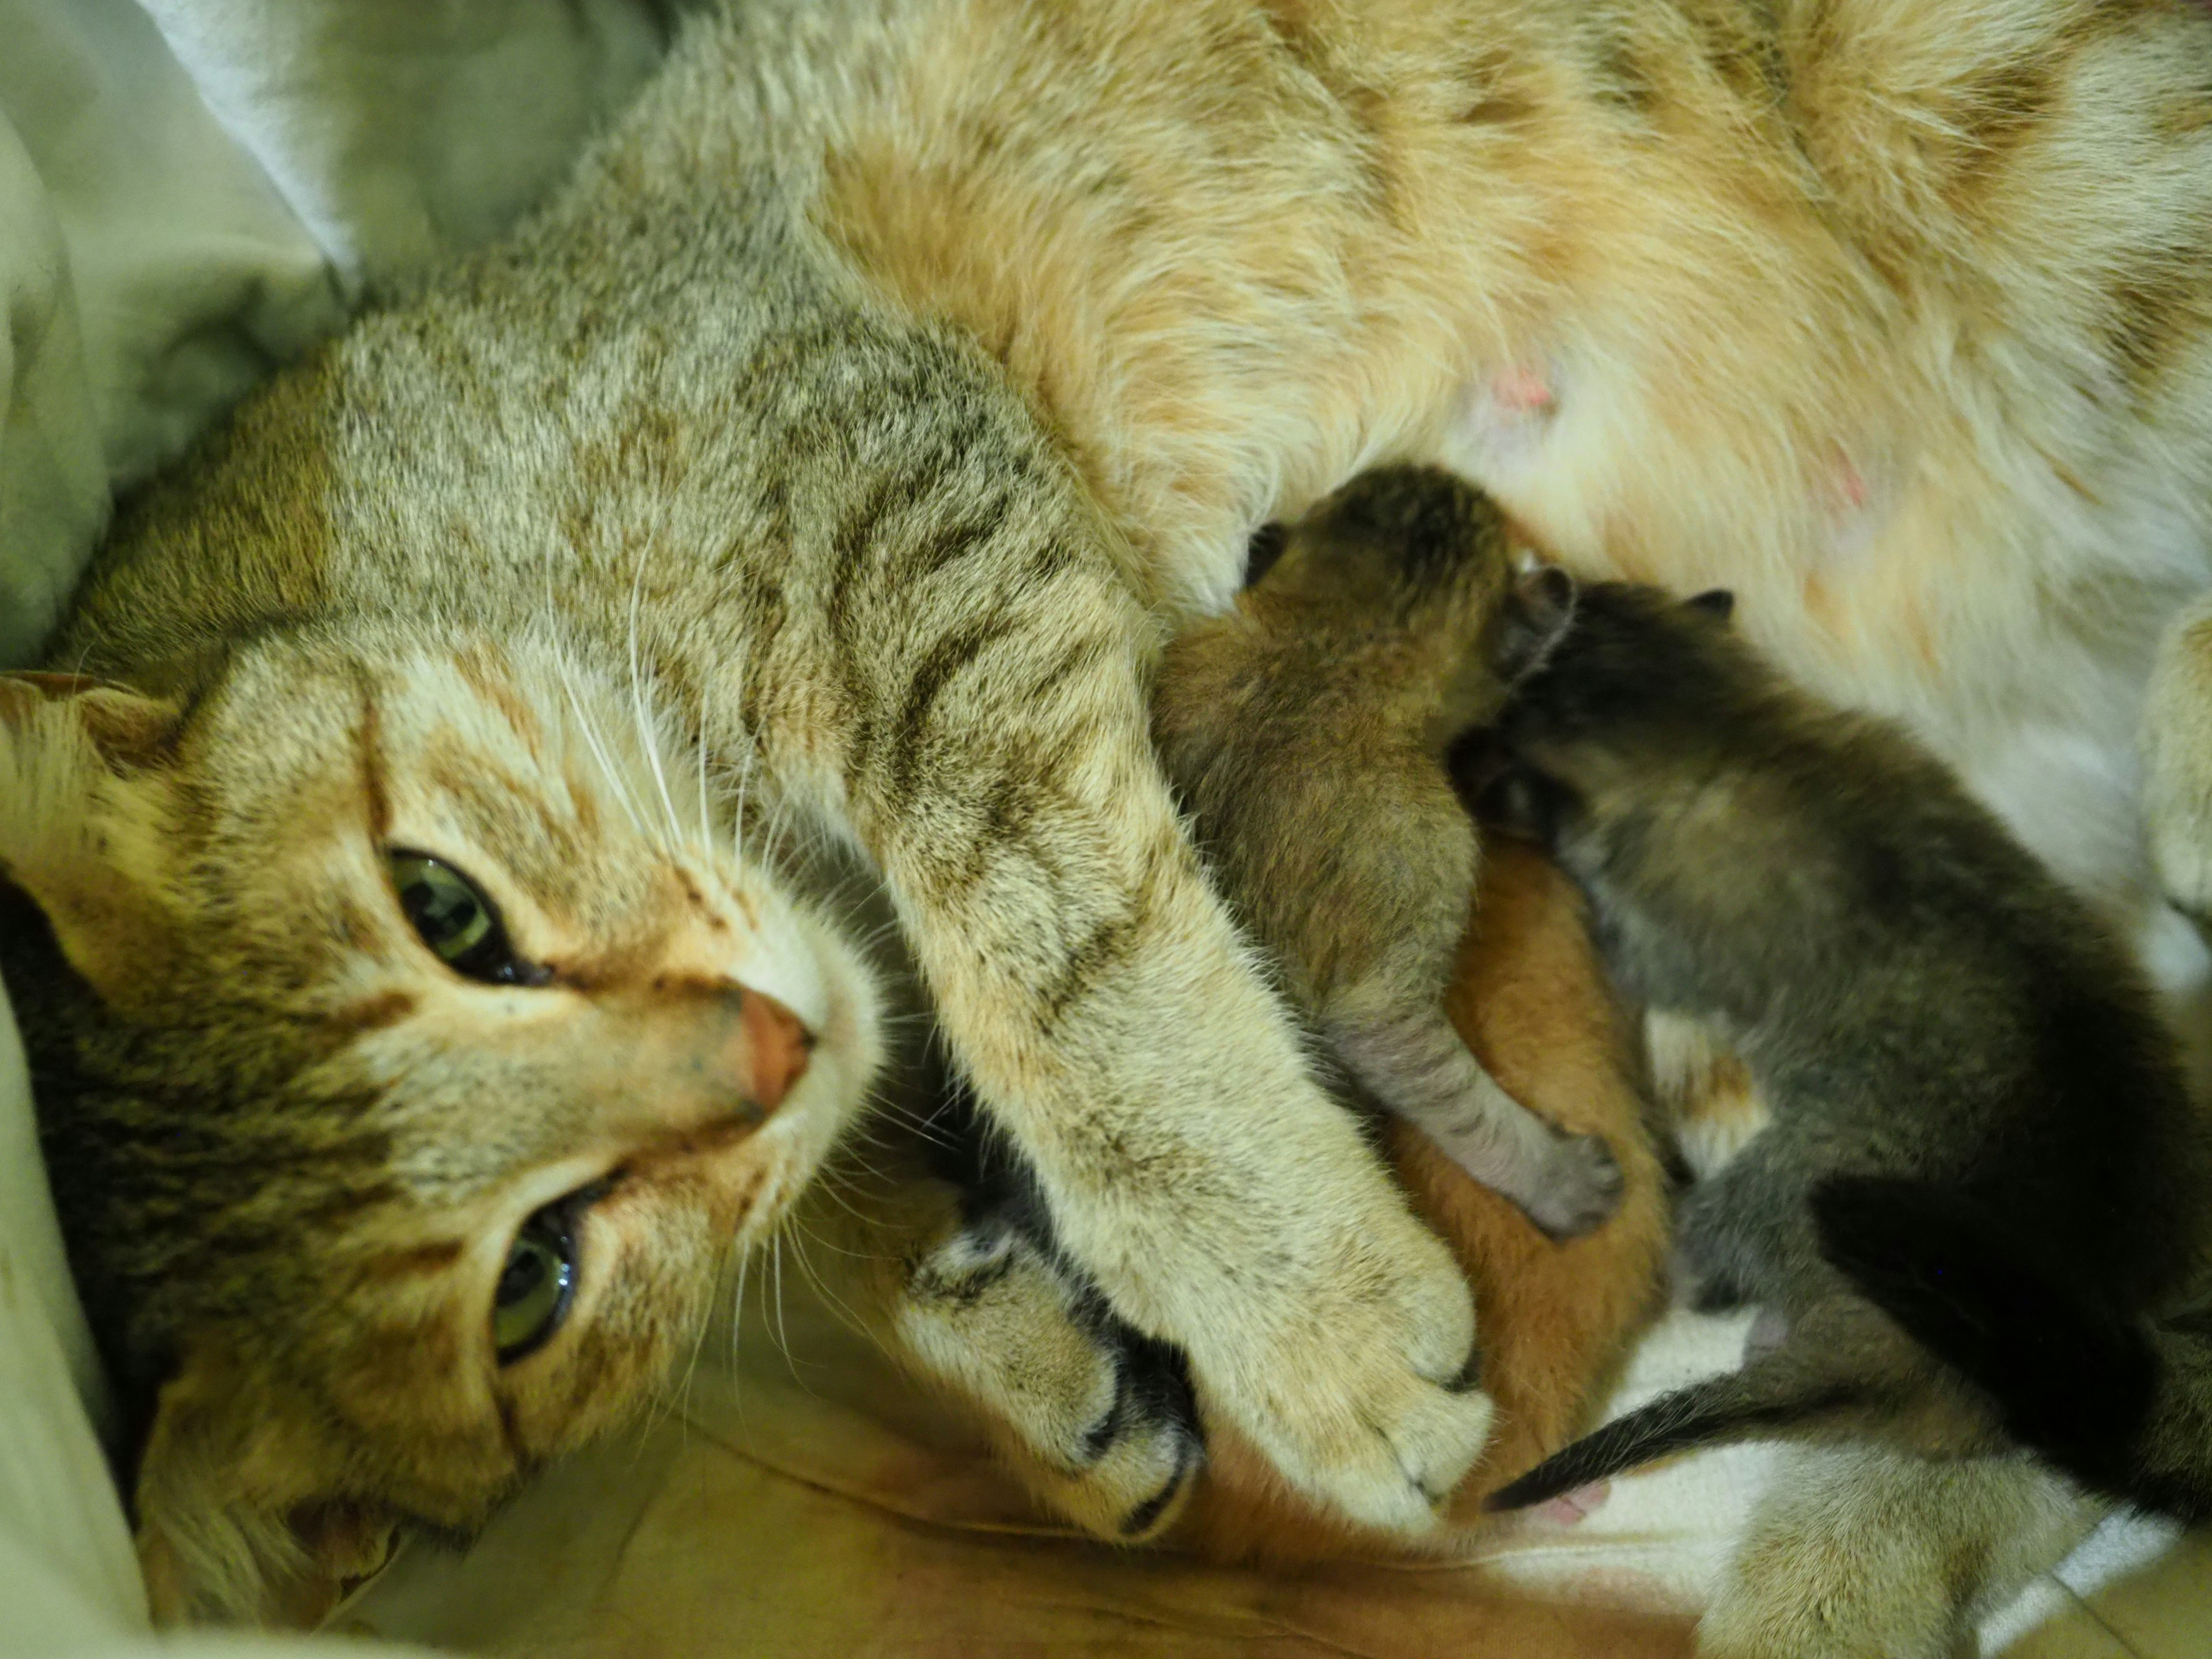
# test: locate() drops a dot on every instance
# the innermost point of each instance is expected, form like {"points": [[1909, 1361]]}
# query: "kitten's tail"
{"points": [[1842, 1371], [2121, 1403]]}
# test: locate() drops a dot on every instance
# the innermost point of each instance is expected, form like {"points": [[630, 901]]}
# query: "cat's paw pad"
{"points": [[1572, 1509], [1582, 1187], [1096, 1420]]}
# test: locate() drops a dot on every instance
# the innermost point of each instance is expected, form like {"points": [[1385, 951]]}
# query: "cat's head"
{"points": [[415, 1045], [1639, 680]]}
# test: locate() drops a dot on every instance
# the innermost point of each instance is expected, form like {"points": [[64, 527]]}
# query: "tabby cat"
{"points": [[810, 484]]}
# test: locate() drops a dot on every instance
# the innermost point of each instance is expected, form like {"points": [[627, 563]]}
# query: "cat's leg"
{"points": [[1862, 1551], [1095, 1419], [1745, 1234], [995, 757], [1420, 1068]]}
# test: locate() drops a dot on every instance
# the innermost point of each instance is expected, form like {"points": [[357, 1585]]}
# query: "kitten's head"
{"points": [[413, 1047], [1418, 553], [1400, 544], [1639, 681]]}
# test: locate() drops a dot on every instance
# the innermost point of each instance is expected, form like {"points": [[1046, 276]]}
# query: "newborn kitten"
{"points": [[1915, 997], [1306, 730]]}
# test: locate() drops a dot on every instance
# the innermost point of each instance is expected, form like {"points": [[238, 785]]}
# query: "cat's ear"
{"points": [[1716, 602], [1534, 617], [83, 790], [238, 1519]]}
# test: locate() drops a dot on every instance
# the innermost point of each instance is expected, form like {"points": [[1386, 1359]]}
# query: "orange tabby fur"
{"points": [[1555, 1319]]}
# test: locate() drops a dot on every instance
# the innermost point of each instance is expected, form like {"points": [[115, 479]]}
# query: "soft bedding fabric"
{"points": [[191, 192]]}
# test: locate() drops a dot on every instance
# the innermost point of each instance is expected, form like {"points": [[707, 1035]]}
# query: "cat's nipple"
{"points": [[777, 1047]]}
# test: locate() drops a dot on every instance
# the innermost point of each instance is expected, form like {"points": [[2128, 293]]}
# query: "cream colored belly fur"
{"points": [[1888, 317]]}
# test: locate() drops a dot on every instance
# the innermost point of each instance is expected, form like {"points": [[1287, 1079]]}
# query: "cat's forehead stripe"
{"points": [[416, 1261], [375, 787], [487, 671]]}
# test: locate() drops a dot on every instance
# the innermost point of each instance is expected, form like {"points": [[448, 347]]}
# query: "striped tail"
{"points": [[1833, 1376]]}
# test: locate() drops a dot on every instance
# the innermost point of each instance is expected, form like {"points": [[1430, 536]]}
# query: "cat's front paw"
{"points": [[1580, 1189], [1097, 1421], [1360, 1385]]}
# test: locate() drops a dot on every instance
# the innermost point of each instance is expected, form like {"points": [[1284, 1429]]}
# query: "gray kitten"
{"points": [[1306, 732], [1923, 1007]]}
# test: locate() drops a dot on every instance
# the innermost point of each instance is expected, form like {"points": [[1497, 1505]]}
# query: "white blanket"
{"points": [[191, 192]]}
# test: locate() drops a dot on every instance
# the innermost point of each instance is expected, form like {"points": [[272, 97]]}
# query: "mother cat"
{"points": [[815, 475]]}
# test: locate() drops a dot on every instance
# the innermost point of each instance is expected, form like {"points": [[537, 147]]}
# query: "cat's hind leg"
{"points": [[1418, 1066], [938, 1247], [1745, 1233], [2177, 753], [1862, 1552], [1098, 1421]]}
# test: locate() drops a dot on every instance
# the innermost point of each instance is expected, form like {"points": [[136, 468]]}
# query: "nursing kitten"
{"points": [[2118, 1395], [1915, 997], [1305, 730], [860, 418]]}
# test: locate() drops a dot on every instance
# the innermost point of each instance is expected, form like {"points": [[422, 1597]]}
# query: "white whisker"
{"points": [[646, 735], [599, 754], [706, 818], [782, 1334]]}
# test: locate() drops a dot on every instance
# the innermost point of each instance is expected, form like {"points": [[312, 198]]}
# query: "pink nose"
{"points": [[777, 1048]]}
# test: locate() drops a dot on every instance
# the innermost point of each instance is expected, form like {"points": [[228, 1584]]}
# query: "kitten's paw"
{"points": [[1581, 1187], [1097, 1421]]}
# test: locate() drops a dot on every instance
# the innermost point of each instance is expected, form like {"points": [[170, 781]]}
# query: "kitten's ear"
{"points": [[1532, 619], [237, 1522], [83, 794], [1718, 602]]}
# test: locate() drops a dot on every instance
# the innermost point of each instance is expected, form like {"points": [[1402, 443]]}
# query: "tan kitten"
{"points": [[1306, 730]]}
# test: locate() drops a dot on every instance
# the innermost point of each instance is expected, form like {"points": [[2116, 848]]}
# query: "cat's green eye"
{"points": [[460, 925], [537, 1283]]}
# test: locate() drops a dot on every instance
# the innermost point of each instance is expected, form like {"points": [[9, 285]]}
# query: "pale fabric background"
{"points": [[191, 192]]}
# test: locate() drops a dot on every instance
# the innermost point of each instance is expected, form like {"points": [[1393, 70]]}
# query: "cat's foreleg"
{"points": [[1418, 1066], [999, 768]]}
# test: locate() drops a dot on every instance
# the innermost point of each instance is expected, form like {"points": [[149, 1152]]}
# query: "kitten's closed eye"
{"points": [[460, 925]]}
